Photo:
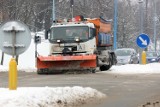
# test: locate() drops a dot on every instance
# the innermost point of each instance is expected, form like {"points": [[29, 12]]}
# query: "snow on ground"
{"points": [[135, 68], [49, 97]]}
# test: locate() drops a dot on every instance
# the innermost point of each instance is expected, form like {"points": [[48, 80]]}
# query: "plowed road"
{"points": [[121, 90]]}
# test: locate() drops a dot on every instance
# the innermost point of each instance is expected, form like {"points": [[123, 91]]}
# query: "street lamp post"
{"points": [[155, 27], [141, 15], [115, 23], [141, 25], [71, 5], [53, 11]]}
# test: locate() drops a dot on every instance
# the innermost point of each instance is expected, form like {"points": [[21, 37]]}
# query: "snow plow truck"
{"points": [[78, 44]]}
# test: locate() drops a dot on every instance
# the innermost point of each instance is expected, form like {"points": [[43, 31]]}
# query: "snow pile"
{"points": [[49, 97], [3, 68], [120, 69], [20, 68], [135, 68]]}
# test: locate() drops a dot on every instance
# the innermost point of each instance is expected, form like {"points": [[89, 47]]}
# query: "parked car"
{"points": [[152, 56], [158, 52], [127, 56]]}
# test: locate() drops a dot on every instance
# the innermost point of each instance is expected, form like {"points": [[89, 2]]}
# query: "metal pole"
{"points": [[146, 22], [155, 19], [123, 42], [146, 18], [72, 5], [72, 11], [13, 64], [13, 42], [141, 27], [141, 15], [115, 23], [1, 12], [53, 11], [2, 59]]}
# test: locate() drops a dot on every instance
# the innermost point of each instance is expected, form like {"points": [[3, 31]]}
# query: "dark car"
{"points": [[152, 56], [126, 56]]}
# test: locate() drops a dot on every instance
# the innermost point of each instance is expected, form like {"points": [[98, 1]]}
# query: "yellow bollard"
{"points": [[12, 74], [143, 57]]}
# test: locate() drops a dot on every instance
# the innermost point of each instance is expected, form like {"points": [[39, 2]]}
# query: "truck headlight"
{"points": [[58, 41], [77, 39]]}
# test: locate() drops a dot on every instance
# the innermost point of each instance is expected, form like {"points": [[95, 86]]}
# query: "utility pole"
{"points": [[141, 15], [16, 9], [124, 38], [53, 11], [115, 23], [155, 27], [141, 25], [146, 20], [1, 12], [72, 5], [146, 17]]}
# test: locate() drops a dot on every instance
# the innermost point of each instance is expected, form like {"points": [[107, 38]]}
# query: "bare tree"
{"points": [[38, 14]]}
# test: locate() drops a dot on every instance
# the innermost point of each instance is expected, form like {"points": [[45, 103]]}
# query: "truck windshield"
{"points": [[69, 33]]}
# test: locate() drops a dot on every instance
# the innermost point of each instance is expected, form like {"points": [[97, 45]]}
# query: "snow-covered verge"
{"points": [[49, 97], [19, 68], [135, 69], [119, 69]]}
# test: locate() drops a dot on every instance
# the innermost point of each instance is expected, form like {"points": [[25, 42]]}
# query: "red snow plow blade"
{"points": [[66, 62]]}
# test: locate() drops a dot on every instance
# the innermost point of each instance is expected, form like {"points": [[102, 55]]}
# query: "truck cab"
{"points": [[72, 39]]}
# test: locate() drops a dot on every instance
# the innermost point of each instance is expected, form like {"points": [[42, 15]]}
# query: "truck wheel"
{"points": [[105, 67], [114, 59]]}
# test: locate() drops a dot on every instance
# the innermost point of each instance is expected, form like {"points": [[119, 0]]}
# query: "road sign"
{"points": [[143, 40], [15, 37]]}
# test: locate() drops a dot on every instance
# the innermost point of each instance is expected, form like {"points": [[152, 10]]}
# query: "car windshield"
{"points": [[69, 33], [151, 54], [122, 52]]}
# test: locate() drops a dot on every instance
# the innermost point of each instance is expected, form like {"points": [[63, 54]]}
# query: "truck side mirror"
{"points": [[94, 32], [47, 33]]}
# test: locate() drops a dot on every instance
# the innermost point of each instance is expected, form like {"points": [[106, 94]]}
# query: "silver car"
{"points": [[127, 56]]}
